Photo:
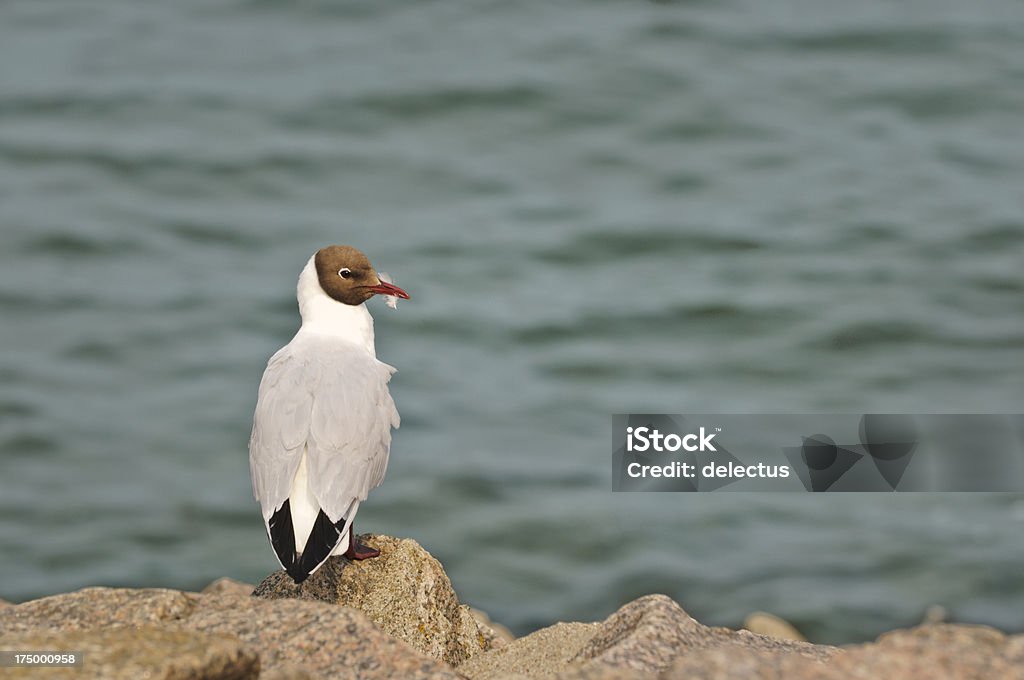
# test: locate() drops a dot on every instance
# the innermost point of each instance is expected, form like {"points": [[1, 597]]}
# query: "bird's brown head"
{"points": [[346, 275]]}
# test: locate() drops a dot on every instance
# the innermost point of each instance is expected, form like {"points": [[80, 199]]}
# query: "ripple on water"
{"points": [[863, 335], [30, 444], [65, 244], [204, 233], [905, 41], [599, 247], [934, 102], [712, 317], [94, 351], [995, 237], [17, 409]]}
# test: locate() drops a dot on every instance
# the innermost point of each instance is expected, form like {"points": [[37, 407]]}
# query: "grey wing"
{"points": [[280, 429], [350, 429]]}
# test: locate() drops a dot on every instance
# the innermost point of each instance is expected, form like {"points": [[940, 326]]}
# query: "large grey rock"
{"points": [[541, 654], [324, 640], [935, 651], [942, 650], [228, 586], [131, 652], [771, 625], [405, 591], [648, 634], [292, 638], [225, 633], [288, 671], [99, 607], [640, 640], [500, 631], [737, 663]]}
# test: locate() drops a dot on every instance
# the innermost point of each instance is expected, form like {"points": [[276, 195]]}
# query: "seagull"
{"points": [[321, 433]]}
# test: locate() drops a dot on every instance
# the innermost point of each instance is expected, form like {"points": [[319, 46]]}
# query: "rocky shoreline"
{"points": [[397, 616]]}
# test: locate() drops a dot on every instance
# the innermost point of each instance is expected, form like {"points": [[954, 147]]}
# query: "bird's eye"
{"points": [[345, 273]]}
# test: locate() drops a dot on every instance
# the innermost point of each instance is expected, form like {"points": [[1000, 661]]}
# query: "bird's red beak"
{"points": [[388, 289]]}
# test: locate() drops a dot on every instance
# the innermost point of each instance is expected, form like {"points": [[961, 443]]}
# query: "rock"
{"points": [[501, 632], [228, 586], [737, 663], [764, 623], [593, 672], [139, 652], [938, 650], [308, 632], [293, 639], [636, 641], [405, 592], [92, 607], [5, 603], [541, 654], [640, 640], [287, 671], [325, 640], [934, 651], [649, 633], [935, 613]]}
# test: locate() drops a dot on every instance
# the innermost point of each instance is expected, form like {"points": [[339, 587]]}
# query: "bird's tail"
{"points": [[323, 539]]}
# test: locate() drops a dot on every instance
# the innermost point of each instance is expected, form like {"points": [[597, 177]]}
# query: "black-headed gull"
{"points": [[321, 433]]}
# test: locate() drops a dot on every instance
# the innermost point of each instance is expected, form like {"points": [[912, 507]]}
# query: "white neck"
{"points": [[324, 315]]}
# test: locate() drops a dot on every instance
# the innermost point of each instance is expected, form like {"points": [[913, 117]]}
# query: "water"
{"points": [[598, 207]]}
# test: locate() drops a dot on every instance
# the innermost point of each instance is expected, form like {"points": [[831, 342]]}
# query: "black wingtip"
{"points": [[322, 540], [282, 539]]}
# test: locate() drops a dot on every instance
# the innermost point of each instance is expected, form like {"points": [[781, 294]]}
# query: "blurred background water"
{"points": [[598, 207]]}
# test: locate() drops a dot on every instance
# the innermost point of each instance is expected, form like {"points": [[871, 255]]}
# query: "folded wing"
{"points": [[331, 400]]}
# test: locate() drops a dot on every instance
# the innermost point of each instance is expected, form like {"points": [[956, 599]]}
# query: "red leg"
{"points": [[357, 550]]}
